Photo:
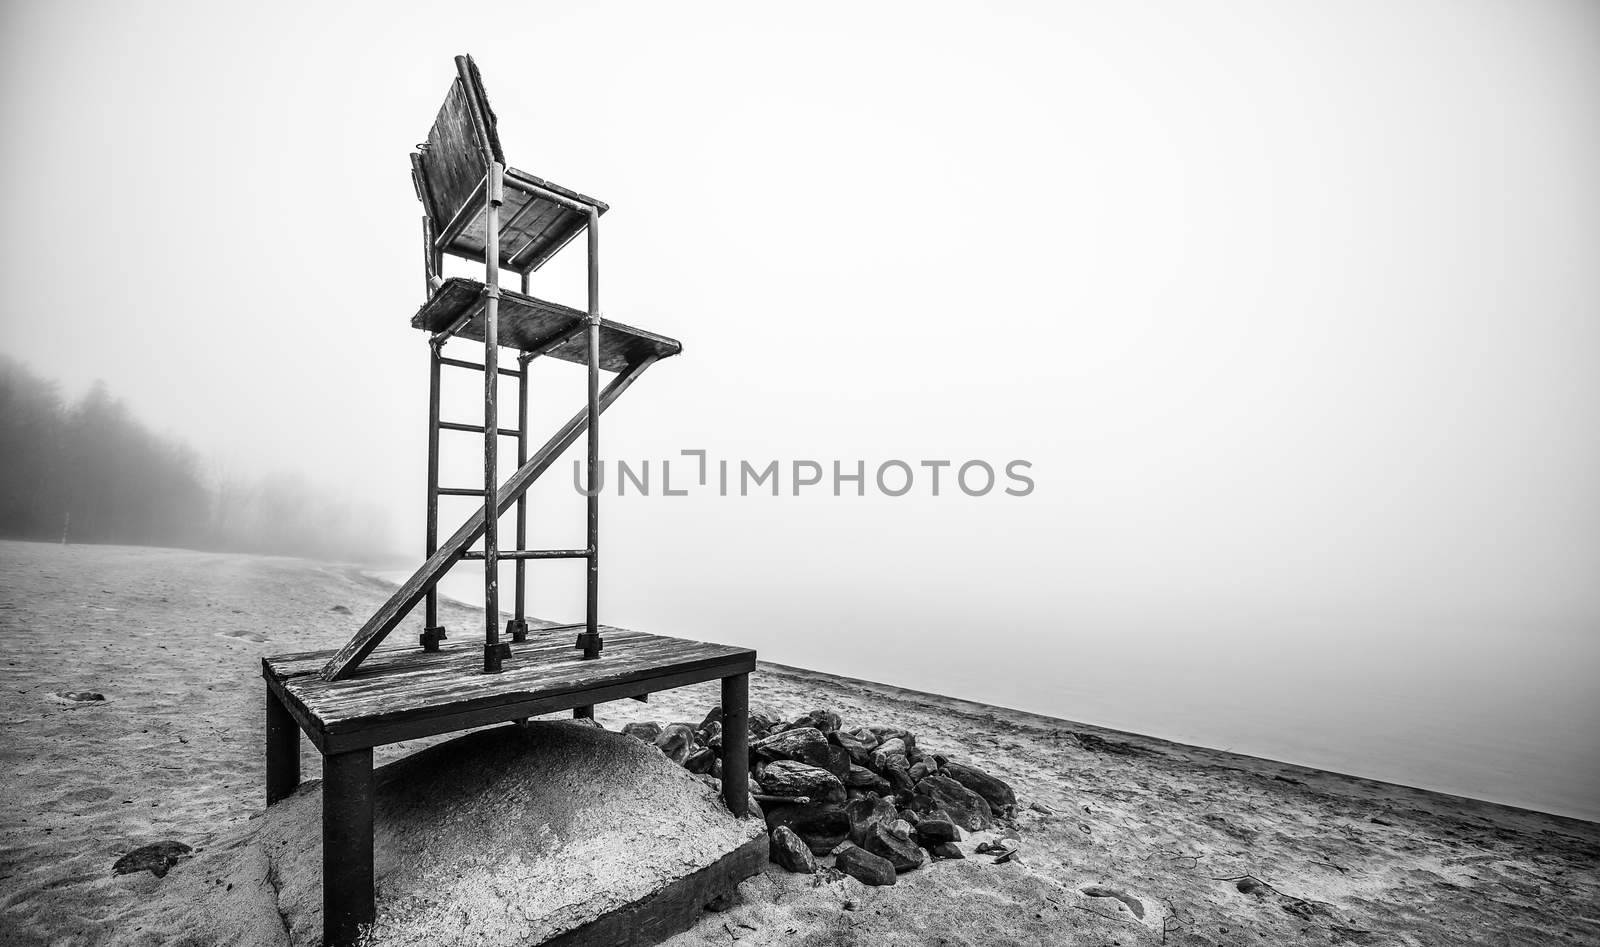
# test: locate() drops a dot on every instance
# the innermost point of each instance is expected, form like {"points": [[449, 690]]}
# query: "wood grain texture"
{"points": [[454, 159], [388, 615], [398, 693], [526, 322]]}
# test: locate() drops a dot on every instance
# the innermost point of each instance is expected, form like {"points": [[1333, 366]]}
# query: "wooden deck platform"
{"points": [[528, 323], [403, 693]]}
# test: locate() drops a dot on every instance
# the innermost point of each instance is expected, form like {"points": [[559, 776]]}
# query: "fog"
{"points": [[1291, 307]]}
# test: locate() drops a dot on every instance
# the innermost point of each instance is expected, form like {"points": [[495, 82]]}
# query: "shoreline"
{"points": [[1172, 742], [172, 641]]}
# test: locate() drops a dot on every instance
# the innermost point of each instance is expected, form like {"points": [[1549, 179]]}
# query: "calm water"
{"points": [[1471, 711]]}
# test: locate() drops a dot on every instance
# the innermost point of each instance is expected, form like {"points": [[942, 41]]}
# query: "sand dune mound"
{"points": [[504, 836]]}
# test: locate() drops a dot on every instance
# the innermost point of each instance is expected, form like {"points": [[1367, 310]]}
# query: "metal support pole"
{"points": [[433, 261], [283, 750], [494, 652], [432, 631], [590, 641], [517, 627], [736, 744]]}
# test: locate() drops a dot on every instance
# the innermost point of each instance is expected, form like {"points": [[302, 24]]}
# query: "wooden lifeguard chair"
{"points": [[362, 695]]}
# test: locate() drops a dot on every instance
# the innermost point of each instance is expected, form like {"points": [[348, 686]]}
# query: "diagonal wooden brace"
{"points": [[390, 614]]}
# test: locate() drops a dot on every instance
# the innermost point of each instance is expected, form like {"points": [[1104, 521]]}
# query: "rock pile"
{"points": [[870, 797]]}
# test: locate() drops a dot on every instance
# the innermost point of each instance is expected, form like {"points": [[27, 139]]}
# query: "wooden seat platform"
{"points": [[403, 693], [532, 229], [530, 324]]}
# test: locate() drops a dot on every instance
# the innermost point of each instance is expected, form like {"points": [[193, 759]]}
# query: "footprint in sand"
{"points": [[1129, 901], [244, 635], [73, 698]]}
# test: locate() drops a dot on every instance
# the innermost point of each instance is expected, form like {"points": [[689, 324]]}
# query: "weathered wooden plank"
{"points": [[418, 694], [526, 321], [455, 680], [413, 589], [417, 725]]}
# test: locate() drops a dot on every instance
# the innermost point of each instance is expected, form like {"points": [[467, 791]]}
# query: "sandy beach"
{"points": [[1125, 840]]}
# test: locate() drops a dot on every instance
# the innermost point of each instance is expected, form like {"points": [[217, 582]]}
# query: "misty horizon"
{"points": [[1292, 309]]}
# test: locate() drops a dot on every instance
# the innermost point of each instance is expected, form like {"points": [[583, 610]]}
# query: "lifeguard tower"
{"points": [[373, 692]]}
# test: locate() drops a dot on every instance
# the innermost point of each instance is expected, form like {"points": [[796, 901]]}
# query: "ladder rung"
{"points": [[461, 491], [531, 554], [477, 428], [474, 366]]}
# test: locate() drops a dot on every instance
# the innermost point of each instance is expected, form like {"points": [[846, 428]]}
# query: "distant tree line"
{"points": [[90, 472]]}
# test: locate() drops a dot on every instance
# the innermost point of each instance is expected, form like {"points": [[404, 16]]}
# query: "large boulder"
{"points": [[804, 745], [638, 831], [789, 778], [865, 867], [994, 791], [965, 808], [790, 852]]}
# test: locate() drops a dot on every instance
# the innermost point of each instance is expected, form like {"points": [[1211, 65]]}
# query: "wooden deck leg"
{"points": [[584, 712], [283, 750], [347, 796], [736, 743]]}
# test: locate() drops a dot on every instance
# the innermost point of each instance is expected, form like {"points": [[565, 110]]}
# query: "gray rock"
{"points": [[965, 808], [805, 745], [789, 778], [922, 769], [700, 760], [935, 828], [646, 731], [900, 784], [994, 791], [825, 721], [891, 754], [789, 851], [893, 840], [821, 826], [156, 858], [862, 778], [859, 744], [866, 813], [713, 716], [865, 867], [839, 762], [761, 720], [947, 850], [709, 734], [677, 741], [906, 738]]}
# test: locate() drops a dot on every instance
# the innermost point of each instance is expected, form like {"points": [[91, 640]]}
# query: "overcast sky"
{"points": [[1293, 308]]}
